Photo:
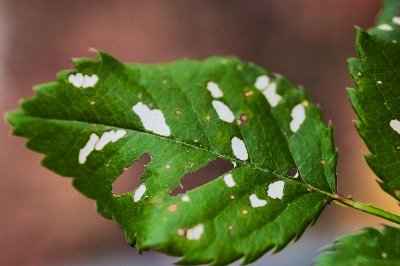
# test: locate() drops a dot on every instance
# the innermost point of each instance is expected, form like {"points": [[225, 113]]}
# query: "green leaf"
{"points": [[370, 247], [376, 73], [94, 122], [390, 9]]}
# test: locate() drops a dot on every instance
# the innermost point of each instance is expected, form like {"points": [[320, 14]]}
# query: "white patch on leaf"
{"points": [[228, 179], [88, 148], [385, 27], [261, 82], [270, 94], [395, 125], [76, 79], [396, 20], [223, 111], [83, 81], [89, 81], [275, 189], [268, 89], [195, 232], [298, 115], [98, 143], [239, 149], [139, 192], [214, 89], [256, 202], [152, 120], [109, 136], [185, 198]]}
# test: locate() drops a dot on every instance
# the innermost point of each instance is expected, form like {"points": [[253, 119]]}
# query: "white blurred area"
{"points": [[45, 221]]}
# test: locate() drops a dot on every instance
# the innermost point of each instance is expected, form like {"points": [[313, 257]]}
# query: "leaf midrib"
{"points": [[255, 167]]}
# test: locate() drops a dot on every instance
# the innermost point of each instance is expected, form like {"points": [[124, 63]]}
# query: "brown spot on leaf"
{"points": [[248, 93], [327, 202], [181, 232], [172, 208]]}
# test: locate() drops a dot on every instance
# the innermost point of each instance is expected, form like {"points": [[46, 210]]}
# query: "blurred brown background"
{"points": [[44, 221]]}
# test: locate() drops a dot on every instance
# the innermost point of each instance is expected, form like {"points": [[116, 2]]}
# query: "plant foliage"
{"points": [[98, 119], [95, 121], [370, 247], [376, 100]]}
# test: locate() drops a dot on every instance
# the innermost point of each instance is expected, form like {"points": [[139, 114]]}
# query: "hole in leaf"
{"points": [[293, 172], [130, 178], [202, 176]]}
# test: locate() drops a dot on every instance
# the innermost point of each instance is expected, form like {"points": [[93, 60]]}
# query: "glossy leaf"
{"points": [[95, 121]]}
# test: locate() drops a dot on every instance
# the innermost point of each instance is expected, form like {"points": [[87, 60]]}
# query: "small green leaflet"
{"points": [[376, 100], [97, 120], [370, 247]]}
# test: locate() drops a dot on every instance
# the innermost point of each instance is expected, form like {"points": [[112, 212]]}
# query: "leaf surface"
{"points": [[376, 99], [370, 247], [389, 10], [95, 121]]}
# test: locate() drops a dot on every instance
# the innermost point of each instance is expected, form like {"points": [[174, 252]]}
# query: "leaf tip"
{"points": [[12, 117], [93, 50]]}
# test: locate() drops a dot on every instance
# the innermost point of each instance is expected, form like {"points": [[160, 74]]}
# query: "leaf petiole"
{"points": [[368, 208]]}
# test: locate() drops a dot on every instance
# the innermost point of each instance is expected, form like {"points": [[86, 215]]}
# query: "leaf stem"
{"points": [[367, 208]]}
